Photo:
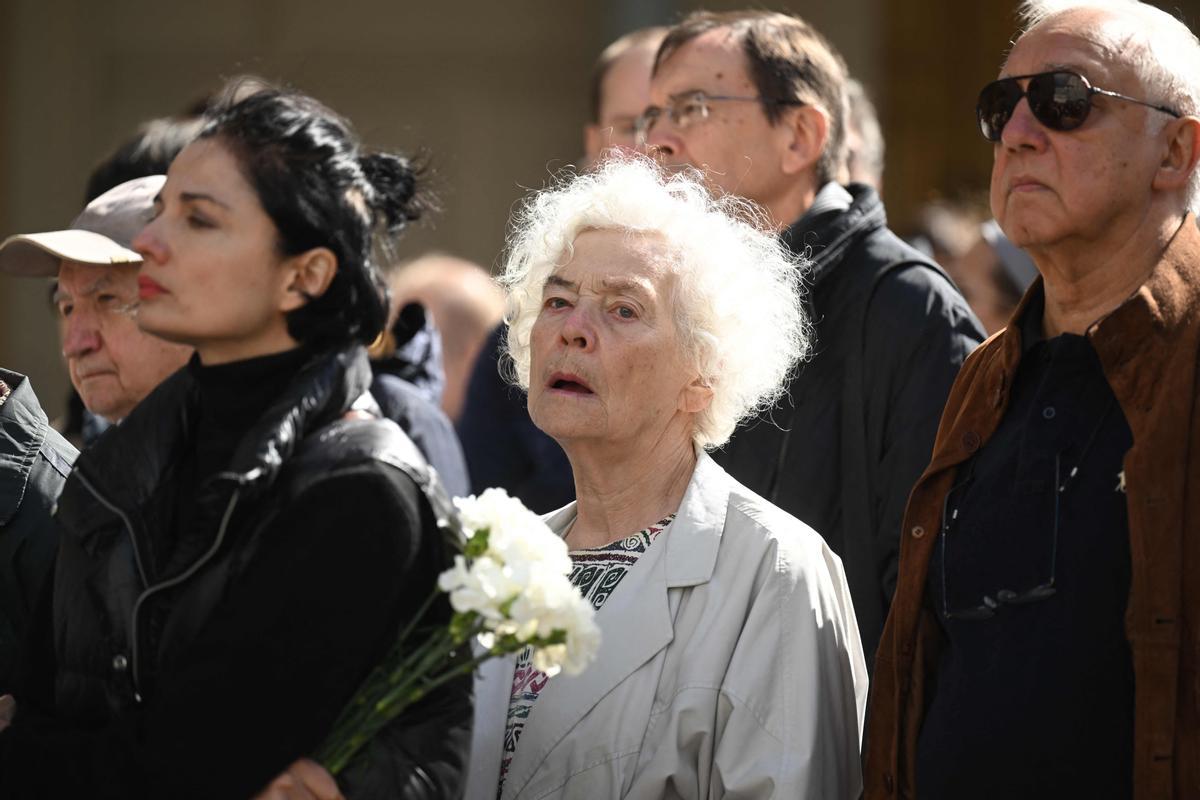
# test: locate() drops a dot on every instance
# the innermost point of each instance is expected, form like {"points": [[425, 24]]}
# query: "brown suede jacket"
{"points": [[1149, 348]]}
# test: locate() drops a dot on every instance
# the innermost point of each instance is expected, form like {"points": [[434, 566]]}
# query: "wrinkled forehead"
{"points": [[1096, 44], [615, 255], [82, 280]]}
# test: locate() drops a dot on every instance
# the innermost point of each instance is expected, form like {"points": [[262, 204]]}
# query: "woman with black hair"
{"points": [[241, 551]]}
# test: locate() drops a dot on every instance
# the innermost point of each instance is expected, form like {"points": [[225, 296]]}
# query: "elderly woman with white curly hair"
{"points": [[646, 320]]}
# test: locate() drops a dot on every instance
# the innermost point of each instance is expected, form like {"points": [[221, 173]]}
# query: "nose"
{"points": [[149, 244], [578, 329], [1023, 131], [81, 335], [660, 140]]}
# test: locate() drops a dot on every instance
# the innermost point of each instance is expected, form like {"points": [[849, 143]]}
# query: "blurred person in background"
{"points": [[1044, 641], [149, 151], [243, 549], [465, 304], [620, 90], [993, 275], [503, 447], [407, 368], [647, 319], [34, 463], [864, 139], [112, 363], [758, 101]]}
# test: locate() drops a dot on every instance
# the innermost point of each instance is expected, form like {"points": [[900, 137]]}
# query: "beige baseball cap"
{"points": [[102, 234]]}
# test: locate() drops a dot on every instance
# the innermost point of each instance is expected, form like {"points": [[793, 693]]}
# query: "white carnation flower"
{"points": [[518, 584]]}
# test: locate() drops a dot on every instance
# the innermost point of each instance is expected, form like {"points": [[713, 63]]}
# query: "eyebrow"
{"points": [[103, 282], [1076, 68], [624, 286], [192, 197], [621, 285], [555, 280]]}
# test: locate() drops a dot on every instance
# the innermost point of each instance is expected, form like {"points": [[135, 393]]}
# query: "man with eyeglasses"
{"points": [[758, 101], [1044, 641]]}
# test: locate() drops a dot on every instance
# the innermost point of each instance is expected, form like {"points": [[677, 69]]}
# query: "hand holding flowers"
{"points": [[509, 589]]}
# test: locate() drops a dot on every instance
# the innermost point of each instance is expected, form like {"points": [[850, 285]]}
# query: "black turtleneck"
{"points": [[233, 398]]}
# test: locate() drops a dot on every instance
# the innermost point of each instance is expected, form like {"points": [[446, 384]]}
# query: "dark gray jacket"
{"points": [[844, 447], [34, 463]]}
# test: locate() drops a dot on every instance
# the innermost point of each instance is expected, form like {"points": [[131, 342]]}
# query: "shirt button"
{"points": [[1048, 412], [970, 441], [120, 663], [917, 531]]}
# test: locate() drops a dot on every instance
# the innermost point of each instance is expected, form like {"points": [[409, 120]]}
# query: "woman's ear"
{"points": [[695, 397], [307, 276]]}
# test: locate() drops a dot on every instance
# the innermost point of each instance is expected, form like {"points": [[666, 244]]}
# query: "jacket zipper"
{"points": [[137, 556], [150, 590]]}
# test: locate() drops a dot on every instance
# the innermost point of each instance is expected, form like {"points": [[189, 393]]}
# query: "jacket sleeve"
{"points": [[337, 574], [428, 427], [791, 707], [921, 331]]}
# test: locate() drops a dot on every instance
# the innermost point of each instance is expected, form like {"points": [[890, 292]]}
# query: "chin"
{"points": [[565, 428], [151, 324]]}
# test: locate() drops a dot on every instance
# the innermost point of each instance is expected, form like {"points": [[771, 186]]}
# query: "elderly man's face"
{"points": [[606, 362], [1076, 187], [737, 146], [624, 92], [113, 364]]}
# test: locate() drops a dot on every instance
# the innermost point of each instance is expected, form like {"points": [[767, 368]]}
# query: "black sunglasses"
{"points": [[1060, 100]]}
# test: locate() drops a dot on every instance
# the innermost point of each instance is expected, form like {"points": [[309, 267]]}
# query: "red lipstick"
{"points": [[148, 287]]}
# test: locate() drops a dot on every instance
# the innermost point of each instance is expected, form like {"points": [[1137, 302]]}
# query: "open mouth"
{"points": [[569, 383]]}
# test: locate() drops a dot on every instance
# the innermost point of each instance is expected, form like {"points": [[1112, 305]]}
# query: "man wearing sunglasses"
{"points": [[758, 101], [1044, 640]]}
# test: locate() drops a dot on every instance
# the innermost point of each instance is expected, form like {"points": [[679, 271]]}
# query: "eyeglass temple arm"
{"points": [[1119, 96]]}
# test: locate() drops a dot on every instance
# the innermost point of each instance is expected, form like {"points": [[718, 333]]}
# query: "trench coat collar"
{"points": [[685, 556]]}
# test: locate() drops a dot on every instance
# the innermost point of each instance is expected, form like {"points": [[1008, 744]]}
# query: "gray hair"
{"points": [[738, 309], [1161, 49]]}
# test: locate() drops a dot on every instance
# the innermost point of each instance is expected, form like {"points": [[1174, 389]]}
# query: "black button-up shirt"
{"points": [[1035, 698]]}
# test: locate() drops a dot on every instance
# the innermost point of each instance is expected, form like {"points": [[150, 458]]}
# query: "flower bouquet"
{"points": [[509, 589]]}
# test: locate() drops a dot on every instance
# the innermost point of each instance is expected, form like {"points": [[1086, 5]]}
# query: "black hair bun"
{"points": [[396, 197]]}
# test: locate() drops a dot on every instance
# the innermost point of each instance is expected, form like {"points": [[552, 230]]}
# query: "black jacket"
{"points": [[34, 463], [502, 445], [856, 429], [203, 666], [408, 386]]}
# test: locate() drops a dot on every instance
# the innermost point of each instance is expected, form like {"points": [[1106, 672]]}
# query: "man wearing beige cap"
{"points": [[113, 364]]}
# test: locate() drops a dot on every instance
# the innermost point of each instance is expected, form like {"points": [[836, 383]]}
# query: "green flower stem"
{"points": [[387, 693]]}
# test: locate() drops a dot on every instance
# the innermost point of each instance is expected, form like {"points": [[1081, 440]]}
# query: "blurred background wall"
{"points": [[494, 92]]}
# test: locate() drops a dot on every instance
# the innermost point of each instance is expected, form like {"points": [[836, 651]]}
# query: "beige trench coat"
{"points": [[730, 667]]}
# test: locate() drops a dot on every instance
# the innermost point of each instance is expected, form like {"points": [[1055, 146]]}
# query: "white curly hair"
{"points": [[738, 307], [1162, 50]]}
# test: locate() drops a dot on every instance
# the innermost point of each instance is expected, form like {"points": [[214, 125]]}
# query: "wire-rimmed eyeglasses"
{"points": [[688, 108]]}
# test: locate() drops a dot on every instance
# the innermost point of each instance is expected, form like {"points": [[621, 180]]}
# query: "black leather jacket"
{"points": [[203, 669], [34, 463]]}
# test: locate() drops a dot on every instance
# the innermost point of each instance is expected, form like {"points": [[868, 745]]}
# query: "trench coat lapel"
{"points": [[636, 621]]}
